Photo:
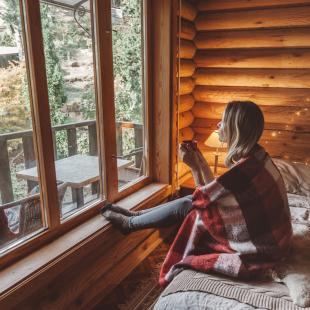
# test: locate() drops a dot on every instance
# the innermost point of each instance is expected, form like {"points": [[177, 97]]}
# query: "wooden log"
{"points": [[280, 149], [188, 30], [273, 136], [187, 49], [273, 140], [207, 123], [245, 58], [185, 119], [187, 182], [254, 19], [289, 152], [295, 116], [283, 38], [213, 5], [211, 124], [186, 86], [183, 169], [187, 68], [186, 133], [282, 78], [262, 96], [188, 11], [184, 179], [186, 103]]}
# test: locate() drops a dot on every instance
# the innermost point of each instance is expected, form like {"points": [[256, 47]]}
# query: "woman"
{"points": [[237, 224]]}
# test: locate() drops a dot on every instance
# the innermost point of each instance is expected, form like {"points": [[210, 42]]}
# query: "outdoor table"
{"points": [[77, 171]]}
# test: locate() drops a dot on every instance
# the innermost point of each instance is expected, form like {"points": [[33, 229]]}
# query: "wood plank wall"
{"points": [[255, 50]]}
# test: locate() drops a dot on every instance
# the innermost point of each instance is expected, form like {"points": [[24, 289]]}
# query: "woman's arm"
{"points": [[205, 168]]}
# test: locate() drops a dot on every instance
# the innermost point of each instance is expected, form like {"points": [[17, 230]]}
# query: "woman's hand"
{"points": [[191, 155], [188, 155]]}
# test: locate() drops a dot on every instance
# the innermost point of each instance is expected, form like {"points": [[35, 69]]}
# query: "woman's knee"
{"points": [[185, 205]]}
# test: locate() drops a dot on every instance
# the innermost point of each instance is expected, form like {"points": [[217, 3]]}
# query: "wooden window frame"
{"points": [[35, 61]]}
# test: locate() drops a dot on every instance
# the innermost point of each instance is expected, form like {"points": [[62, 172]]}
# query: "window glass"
{"points": [[20, 203], [68, 47], [129, 89]]}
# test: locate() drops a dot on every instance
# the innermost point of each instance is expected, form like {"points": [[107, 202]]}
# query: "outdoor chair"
{"points": [[29, 218]]}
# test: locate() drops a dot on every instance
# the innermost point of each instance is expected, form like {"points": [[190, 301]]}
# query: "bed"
{"points": [[287, 287]]}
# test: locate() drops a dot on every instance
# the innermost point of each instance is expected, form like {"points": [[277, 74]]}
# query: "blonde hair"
{"points": [[243, 127]]}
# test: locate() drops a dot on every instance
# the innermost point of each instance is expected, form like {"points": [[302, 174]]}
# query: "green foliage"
{"points": [[127, 61], [73, 36], [54, 73], [62, 39], [6, 39], [14, 110], [88, 106]]}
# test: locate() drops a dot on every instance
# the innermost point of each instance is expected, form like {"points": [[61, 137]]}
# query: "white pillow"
{"points": [[296, 176]]}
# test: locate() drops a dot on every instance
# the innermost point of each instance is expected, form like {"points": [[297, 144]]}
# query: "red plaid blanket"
{"points": [[240, 223]]}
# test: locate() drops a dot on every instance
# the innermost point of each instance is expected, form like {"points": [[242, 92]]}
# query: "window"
{"points": [[20, 212], [70, 71], [68, 140], [129, 89]]}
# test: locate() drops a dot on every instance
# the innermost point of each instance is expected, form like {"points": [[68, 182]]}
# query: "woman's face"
{"points": [[221, 130]]}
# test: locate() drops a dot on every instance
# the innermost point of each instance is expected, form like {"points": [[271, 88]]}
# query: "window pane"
{"points": [[68, 47], [20, 205], [128, 65]]}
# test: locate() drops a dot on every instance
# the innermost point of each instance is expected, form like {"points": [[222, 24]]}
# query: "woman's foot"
{"points": [[121, 210], [120, 221]]}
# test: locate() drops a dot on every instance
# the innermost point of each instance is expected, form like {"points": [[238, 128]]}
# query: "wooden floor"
{"points": [[140, 289]]}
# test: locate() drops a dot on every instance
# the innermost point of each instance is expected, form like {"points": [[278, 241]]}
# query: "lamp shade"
{"points": [[213, 140]]}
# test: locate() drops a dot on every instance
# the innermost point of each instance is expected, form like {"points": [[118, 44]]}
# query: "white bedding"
{"points": [[199, 300]]}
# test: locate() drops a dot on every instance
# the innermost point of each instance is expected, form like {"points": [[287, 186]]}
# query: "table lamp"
{"points": [[213, 141]]}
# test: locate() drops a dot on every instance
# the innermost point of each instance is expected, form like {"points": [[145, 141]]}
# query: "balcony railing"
{"points": [[6, 187]]}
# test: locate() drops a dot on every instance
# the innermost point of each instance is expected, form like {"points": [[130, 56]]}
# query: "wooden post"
{"points": [[92, 136], [5, 174], [119, 139], [72, 143], [29, 157], [138, 129], [54, 143], [93, 150], [72, 150]]}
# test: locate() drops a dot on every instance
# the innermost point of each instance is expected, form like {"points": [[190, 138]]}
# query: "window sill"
{"points": [[27, 269]]}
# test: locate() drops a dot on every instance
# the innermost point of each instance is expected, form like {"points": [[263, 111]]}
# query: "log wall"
{"points": [[187, 68], [255, 50]]}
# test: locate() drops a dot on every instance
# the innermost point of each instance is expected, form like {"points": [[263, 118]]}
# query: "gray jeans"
{"points": [[164, 215]]}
